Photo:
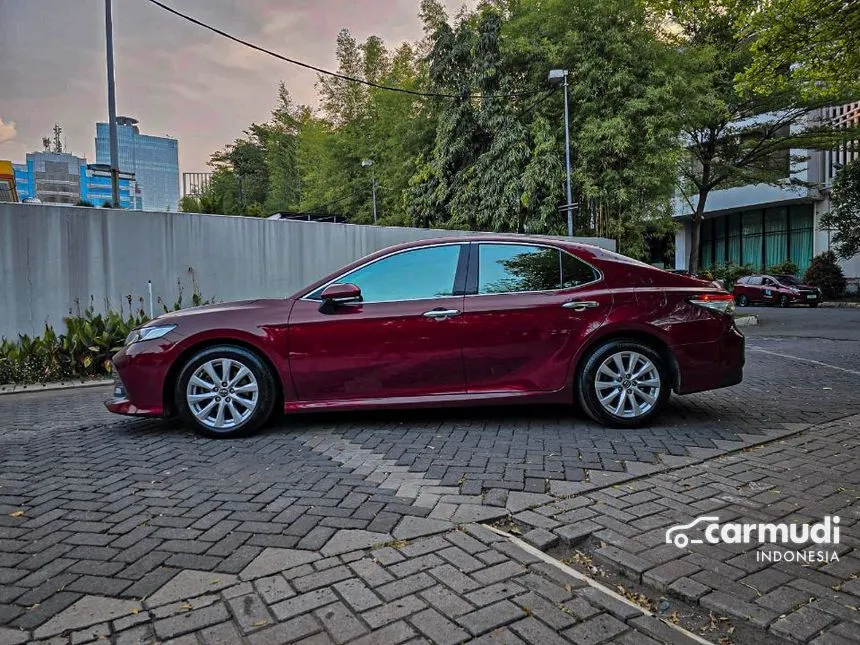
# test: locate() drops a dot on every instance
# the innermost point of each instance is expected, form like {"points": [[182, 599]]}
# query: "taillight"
{"points": [[721, 302]]}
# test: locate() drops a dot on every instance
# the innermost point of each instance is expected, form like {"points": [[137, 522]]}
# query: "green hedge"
{"points": [[83, 350]]}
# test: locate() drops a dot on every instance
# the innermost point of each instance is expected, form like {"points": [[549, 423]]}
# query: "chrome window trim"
{"points": [[341, 278], [540, 245]]}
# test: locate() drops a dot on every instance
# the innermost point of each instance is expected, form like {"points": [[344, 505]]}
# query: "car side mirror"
{"points": [[341, 292], [338, 294]]}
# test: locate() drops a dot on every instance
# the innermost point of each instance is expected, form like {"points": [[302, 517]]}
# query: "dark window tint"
{"points": [[508, 268], [410, 275], [575, 272]]}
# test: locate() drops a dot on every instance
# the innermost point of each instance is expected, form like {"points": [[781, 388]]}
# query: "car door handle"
{"points": [[441, 313], [581, 305]]}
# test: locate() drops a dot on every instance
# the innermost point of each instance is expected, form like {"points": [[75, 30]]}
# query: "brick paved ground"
{"points": [[130, 509]]}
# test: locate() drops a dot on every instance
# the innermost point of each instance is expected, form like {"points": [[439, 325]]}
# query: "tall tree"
{"points": [[734, 136], [844, 216], [810, 44]]}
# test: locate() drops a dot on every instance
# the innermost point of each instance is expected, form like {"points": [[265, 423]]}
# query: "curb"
{"points": [[840, 305], [42, 387], [746, 321]]}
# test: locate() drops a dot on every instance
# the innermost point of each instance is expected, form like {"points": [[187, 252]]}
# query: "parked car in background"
{"points": [[446, 322], [782, 290]]}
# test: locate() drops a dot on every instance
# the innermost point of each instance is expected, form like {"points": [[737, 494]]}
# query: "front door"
{"points": [[404, 339], [526, 310]]}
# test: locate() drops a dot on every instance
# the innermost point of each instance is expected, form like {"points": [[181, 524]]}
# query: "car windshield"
{"points": [[788, 280]]}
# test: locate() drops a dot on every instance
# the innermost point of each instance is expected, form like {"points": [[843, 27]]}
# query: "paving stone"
{"points": [[518, 501], [405, 586], [689, 589], [803, 624], [250, 612], [533, 631], [341, 623], [12, 636], [274, 560], [572, 534], [467, 513], [358, 595], [394, 633], [488, 618], [498, 572], [221, 634], [437, 628], [661, 631], [621, 610], [626, 562], [664, 575], [783, 599], [445, 601], [189, 584], [597, 629], [303, 603], [541, 538], [286, 632], [347, 540], [456, 580], [274, 588], [494, 593], [318, 579], [89, 610], [393, 611], [733, 606], [412, 527]]}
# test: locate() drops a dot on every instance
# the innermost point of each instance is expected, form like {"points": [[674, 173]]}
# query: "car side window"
{"points": [[511, 268], [416, 274], [575, 272], [755, 280]]}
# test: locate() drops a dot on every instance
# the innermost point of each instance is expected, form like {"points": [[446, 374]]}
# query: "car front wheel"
{"points": [[743, 301], [224, 392], [623, 384], [783, 301]]}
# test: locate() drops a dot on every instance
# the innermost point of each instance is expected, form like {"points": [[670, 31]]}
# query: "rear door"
{"points": [[526, 308]]}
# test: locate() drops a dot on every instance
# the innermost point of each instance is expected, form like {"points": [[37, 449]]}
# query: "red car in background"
{"points": [[782, 290], [454, 321]]}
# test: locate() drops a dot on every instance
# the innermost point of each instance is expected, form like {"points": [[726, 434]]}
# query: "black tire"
{"points": [[783, 301], [743, 301], [587, 390], [266, 391]]}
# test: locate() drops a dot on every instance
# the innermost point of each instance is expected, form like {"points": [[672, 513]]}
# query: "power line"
{"points": [[326, 72]]}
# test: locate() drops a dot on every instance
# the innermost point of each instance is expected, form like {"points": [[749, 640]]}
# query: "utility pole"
{"points": [[114, 146]]}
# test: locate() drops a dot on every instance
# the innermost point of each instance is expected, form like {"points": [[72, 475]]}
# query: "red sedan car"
{"points": [[454, 321], [782, 290]]}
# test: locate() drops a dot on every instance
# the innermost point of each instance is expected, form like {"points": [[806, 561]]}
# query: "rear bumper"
{"points": [[713, 364]]}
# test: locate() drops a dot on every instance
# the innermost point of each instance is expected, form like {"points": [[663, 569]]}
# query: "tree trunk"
{"points": [[695, 233]]}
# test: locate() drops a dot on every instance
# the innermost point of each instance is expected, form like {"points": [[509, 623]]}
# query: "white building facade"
{"points": [[763, 225]]}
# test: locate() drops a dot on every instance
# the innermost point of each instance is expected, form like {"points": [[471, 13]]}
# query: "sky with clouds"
{"points": [[174, 77]]}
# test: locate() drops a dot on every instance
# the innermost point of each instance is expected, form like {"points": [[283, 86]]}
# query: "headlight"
{"points": [[148, 333]]}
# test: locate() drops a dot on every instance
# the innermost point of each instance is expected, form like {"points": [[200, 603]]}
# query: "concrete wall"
{"points": [[51, 256]]}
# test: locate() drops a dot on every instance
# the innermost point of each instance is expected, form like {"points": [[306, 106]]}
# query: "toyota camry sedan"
{"points": [[445, 322]]}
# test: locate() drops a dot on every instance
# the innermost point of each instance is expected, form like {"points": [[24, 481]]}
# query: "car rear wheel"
{"points": [[783, 301], [743, 301], [224, 392], [623, 384]]}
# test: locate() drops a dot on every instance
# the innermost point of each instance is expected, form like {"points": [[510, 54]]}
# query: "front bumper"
{"points": [[140, 371]]}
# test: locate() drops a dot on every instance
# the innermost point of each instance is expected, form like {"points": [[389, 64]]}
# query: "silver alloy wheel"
{"points": [[222, 393], [627, 384]]}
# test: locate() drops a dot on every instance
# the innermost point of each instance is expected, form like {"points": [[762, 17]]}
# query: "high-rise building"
{"points": [[63, 178], [154, 161]]}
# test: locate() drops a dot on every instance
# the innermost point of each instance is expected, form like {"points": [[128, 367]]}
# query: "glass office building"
{"points": [[63, 178], [154, 161]]}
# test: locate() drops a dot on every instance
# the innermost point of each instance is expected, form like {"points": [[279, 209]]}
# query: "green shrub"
{"points": [[83, 351], [826, 274], [730, 272], [784, 268]]}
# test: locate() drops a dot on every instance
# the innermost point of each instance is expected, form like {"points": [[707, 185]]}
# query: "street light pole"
{"points": [[114, 147], [556, 76], [365, 164]]}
